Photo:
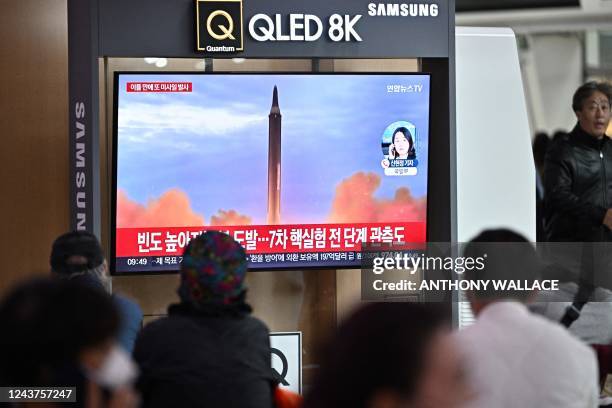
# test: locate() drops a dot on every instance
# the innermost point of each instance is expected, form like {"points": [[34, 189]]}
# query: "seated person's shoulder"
{"points": [[127, 306], [558, 342], [155, 334], [256, 325]]}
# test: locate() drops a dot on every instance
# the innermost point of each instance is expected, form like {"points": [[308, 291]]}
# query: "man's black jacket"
{"points": [[578, 188], [205, 358]]}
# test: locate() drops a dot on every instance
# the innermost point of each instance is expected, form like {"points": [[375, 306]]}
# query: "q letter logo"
{"points": [[219, 25]]}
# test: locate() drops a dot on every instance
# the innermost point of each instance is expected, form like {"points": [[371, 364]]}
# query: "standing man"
{"points": [[578, 172], [578, 208], [78, 256]]}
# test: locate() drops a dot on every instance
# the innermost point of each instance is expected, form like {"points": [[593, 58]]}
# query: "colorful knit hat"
{"points": [[213, 270]]}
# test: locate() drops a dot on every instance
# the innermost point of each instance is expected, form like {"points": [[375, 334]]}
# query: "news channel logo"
{"points": [[219, 26]]}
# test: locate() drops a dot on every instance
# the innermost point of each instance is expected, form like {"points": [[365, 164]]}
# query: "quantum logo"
{"points": [[227, 31], [219, 25]]}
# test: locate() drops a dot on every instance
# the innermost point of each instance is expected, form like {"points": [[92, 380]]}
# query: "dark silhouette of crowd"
{"points": [[209, 351]]}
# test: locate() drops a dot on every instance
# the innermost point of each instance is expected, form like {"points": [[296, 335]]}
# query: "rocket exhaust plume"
{"points": [[171, 209], [355, 201], [274, 160]]}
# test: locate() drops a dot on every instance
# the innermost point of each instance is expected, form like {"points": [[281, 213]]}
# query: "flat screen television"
{"points": [[301, 169]]}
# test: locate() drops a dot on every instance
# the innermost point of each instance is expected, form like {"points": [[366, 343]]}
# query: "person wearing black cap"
{"points": [[77, 255]]}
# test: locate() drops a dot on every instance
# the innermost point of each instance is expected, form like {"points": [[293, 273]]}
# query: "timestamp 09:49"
{"points": [[136, 261]]}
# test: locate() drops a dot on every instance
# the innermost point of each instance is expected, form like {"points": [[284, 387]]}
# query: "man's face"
{"points": [[595, 114]]}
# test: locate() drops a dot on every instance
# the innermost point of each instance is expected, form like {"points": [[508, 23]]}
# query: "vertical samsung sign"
{"points": [[79, 163], [83, 115]]}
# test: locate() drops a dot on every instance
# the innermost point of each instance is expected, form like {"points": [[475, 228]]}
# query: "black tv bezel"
{"points": [[114, 149]]}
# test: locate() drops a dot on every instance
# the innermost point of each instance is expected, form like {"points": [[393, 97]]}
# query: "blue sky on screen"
{"points": [[212, 143]]}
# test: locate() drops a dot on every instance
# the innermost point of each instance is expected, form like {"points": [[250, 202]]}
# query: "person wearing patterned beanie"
{"points": [[213, 271], [209, 351]]}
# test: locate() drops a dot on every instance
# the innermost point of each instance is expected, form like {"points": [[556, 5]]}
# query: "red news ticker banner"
{"points": [[159, 87], [265, 239]]}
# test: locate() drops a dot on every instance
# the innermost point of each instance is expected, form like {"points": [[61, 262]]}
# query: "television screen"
{"points": [[301, 169]]}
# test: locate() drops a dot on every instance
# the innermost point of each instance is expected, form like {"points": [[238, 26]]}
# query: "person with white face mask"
{"points": [[60, 333]]}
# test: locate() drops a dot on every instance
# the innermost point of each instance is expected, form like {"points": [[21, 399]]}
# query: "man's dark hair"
{"points": [[46, 323], [507, 256], [586, 90], [382, 346]]}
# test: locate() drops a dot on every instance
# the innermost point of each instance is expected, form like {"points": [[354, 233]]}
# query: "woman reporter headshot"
{"points": [[402, 145]]}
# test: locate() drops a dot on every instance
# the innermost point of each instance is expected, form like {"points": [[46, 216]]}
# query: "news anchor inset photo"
{"points": [[399, 146]]}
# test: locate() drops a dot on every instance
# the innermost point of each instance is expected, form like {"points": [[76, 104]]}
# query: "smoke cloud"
{"points": [[230, 217], [171, 209], [355, 202]]}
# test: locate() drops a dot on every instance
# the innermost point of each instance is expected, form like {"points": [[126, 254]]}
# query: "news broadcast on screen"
{"points": [[300, 178]]}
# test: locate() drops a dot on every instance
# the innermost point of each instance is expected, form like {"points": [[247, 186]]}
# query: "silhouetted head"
{"points": [[507, 256], [78, 255], [390, 355], [51, 324]]}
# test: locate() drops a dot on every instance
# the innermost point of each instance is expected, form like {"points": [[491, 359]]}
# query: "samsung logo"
{"points": [[402, 10], [80, 178]]}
